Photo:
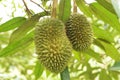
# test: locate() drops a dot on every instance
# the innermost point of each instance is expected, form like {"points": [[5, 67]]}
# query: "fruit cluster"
{"points": [[54, 41]]}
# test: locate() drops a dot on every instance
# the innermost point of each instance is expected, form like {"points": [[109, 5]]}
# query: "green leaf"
{"points": [[44, 2], [115, 67], [64, 9], [65, 74], [106, 5], [38, 70], [11, 24], [83, 7], [103, 14], [76, 55], [27, 26], [96, 42], [111, 50], [94, 54], [102, 34], [18, 45], [114, 74], [104, 76]]}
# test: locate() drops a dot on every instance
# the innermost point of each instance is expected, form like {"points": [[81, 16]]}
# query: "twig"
{"points": [[38, 5], [27, 10]]}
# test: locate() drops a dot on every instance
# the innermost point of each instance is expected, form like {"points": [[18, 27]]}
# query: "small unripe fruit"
{"points": [[79, 32], [52, 45]]}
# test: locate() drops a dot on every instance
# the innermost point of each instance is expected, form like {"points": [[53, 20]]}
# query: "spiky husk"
{"points": [[79, 32], [52, 45]]}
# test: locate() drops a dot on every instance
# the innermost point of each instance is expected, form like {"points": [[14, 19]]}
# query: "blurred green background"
{"points": [[18, 60]]}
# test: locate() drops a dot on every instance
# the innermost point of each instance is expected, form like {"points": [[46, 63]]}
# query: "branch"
{"points": [[38, 5], [27, 10]]}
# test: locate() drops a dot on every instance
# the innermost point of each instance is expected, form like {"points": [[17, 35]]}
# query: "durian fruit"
{"points": [[79, 32], [52, 45]]}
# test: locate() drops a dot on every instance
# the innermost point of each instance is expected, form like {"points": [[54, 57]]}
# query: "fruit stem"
{"points": [[65, 74], [74, 7], [54, 7]]}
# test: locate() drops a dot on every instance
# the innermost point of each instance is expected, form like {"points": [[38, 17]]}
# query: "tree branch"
{"points": [[27, 10], [38, 5]]}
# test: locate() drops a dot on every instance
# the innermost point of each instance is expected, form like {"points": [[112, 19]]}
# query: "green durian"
{"points": [[79, 32], [52, 45]]}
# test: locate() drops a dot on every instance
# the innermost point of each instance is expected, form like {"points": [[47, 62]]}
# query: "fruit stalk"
{"points": [[64, 13], [54, 7], [74, 7], [65, 74]]}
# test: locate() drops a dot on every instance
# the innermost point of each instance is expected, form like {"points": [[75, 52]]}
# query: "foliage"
{"points": [[101, 62]]}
